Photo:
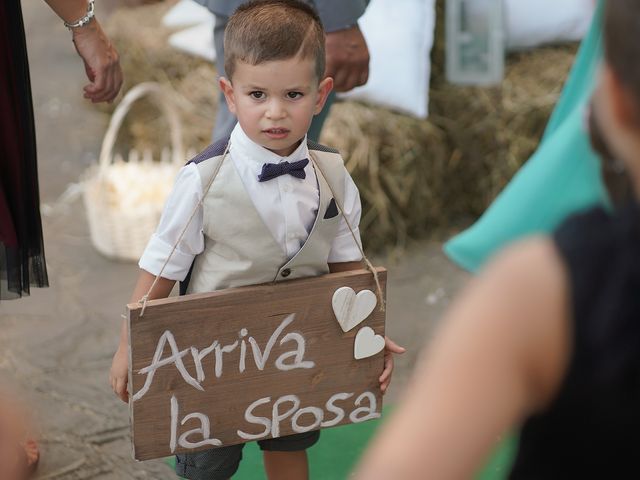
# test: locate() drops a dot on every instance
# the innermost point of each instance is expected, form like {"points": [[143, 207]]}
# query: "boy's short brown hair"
{"points": [[265, 30]]}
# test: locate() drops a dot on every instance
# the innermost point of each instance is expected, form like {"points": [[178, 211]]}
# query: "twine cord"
{"points": [[355, 239], [144, 299]]}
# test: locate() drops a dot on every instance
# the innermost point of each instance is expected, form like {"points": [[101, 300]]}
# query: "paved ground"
{"points": [[58, 343]]}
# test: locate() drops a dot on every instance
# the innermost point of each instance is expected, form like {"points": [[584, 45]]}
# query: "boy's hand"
{"points": [[390, 347], [119, 375]]}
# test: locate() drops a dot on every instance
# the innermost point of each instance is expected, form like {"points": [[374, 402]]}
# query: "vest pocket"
{"points": [[331, 211], [329, 221]]}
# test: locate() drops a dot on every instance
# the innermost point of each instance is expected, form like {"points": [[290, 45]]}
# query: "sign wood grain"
{"points": [[248, 363]]}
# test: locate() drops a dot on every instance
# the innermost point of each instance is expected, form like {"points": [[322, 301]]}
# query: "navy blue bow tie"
{"points": [[273, 170]]}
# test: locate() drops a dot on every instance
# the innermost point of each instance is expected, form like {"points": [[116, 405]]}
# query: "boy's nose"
{"points": [[275, 110]]}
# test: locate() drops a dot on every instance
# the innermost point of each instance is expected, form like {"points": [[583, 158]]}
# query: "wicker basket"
{"points": [[124, 199]]}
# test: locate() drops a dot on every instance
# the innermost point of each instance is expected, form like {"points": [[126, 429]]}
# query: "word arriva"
{"points": [[289, 360], [278, 414]]}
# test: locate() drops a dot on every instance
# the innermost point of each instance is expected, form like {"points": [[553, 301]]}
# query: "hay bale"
{"points": [[416, 177], [397, 163]]}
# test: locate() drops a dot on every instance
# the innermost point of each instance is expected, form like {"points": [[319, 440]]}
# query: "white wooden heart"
{"points": [[367, 343], [351, 309]]}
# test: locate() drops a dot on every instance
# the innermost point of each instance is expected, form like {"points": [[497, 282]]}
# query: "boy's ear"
{"points": [[324, 88], [227, 89]]}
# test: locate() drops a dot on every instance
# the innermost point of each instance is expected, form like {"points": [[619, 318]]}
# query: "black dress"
{"points": [[592, 428], [22, 263]]}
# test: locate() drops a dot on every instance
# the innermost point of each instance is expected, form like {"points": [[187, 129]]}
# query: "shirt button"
{"points": [[286, 272], [291, 235], [286, 188]]}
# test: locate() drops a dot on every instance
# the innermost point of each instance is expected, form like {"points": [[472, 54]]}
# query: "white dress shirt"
{"points": [[287, 205]]}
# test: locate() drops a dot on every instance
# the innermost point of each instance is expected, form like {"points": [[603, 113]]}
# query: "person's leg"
{"points": [[286, 465], [318, 120], [225, 120], [285, 458], [215, 464]]}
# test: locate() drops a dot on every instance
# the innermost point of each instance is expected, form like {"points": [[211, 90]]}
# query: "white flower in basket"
{"points": [[124, 199]]}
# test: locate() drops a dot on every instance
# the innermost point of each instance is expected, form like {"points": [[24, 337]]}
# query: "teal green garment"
{"points": [[561, 178]]}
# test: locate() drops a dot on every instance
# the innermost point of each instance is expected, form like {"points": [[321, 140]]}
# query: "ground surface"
{"points": [[58, 342]]}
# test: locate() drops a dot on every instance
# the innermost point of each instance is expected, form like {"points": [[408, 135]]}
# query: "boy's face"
{"points": [[275, 101]]}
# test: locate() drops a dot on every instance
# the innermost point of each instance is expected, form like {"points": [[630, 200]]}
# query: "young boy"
{"points": [[271, 213]]}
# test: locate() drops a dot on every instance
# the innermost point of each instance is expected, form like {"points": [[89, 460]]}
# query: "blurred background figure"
{"points": [[22, 260], [547, 337], [563, 174]]}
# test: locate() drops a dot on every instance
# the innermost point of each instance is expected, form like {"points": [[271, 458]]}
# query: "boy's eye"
{"points": [[294, 94], [258, 95]]}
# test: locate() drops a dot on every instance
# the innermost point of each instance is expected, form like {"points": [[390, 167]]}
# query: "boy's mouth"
{"points": [[276, 133]]}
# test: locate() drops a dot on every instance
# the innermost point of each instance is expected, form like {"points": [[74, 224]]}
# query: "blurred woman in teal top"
{"points": [[561, 178]]}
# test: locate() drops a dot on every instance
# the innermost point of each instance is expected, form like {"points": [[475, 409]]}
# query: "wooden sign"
{"points": [[253, 363]]}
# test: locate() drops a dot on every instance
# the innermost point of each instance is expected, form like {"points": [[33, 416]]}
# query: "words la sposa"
{"points": [[284, 409]]}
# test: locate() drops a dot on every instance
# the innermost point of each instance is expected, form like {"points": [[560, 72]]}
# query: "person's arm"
{"points": [[501, 355], [347, 58], [101, 60], [69, 10], [119, 374], [338, 15], [160, 257], [347, 55]]}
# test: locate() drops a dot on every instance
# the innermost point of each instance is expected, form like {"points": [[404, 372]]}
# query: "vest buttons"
{"points": [[286, 272]]}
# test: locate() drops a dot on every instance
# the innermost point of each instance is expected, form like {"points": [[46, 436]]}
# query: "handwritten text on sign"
{"points": [[248, 364]]}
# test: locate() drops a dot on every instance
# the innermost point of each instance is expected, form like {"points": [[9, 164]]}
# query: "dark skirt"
{"points": [[22, 263]]}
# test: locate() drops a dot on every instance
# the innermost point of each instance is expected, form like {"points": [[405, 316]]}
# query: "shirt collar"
{"points": [[248, 149]]}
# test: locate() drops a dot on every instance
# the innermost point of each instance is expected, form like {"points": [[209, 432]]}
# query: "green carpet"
{"points": [[500, 462], [327, 464]]}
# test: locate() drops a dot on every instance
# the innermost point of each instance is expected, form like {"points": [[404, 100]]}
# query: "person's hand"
{"points": [[101, 62], [390, 347], [347, 58], [119, 375]]}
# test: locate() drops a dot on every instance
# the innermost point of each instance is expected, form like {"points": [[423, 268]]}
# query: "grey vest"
{"points": [[239, 248]]}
